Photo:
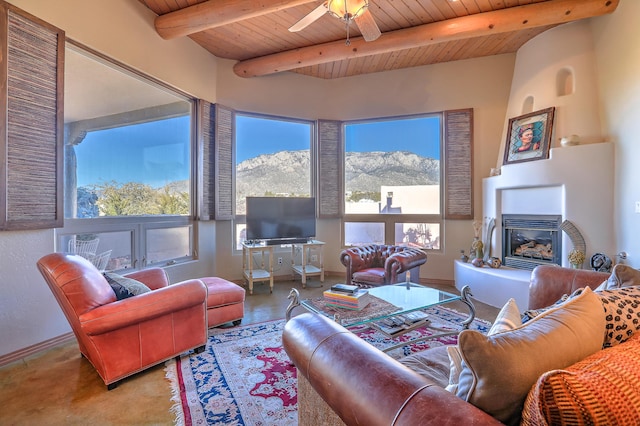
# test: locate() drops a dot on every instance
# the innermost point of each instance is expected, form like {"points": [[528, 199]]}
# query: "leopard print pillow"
{"points": [[622, 314]]}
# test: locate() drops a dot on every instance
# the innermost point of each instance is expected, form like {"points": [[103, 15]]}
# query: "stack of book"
{"points": [[400, 324], [347, 297]]}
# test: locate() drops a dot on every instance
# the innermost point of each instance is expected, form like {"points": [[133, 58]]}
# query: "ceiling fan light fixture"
{"points": [[347, 10]]}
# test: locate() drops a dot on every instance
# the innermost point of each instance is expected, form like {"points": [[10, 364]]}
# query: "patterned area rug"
{"points": [[244, 377]]}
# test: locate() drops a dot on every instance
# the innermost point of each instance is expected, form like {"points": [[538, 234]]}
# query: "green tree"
{"points": [[172, 201], [128, 199], [364, 195]]}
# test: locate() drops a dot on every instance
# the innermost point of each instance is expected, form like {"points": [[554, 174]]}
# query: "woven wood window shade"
{"points": [[31, 123], [458, 167], [330, 169], [216, 136]]}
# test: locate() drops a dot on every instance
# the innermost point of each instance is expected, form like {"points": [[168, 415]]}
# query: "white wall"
{"points": [[582, 196], [617, 45], [538, 63]]}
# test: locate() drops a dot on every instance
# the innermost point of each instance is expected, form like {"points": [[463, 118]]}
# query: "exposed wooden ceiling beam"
{"points": [[534, 15], [215, 13]]}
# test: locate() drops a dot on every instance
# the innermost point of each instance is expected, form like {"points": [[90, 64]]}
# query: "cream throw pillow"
{"points": [[508, 318], [499, 370]]}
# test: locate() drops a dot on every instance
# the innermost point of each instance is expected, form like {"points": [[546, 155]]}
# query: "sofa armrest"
{"points": [[144, 307], [549, 283], [402, 261], [363, 385], [153, 278]]}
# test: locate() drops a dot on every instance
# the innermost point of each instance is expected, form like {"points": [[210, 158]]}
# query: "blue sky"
{"points": [[156, 153], [418, 135], [257, 136]]}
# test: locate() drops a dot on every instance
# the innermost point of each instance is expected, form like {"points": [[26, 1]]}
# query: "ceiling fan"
{"points": [[348, 11]]}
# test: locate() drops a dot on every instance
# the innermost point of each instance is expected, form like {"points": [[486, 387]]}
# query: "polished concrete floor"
{"points": [[59, 387]]}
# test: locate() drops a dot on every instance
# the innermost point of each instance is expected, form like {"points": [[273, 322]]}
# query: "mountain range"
{"points": [[271, 174]]}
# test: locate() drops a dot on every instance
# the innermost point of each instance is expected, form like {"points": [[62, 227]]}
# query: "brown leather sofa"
{"points": [[123, 337], [380, 264], [344, 380]]}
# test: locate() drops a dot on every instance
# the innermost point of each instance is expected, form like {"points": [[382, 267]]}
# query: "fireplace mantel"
{"points": [[576, 183]]}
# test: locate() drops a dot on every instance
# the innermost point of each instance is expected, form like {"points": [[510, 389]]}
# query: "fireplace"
{"points": [[531, 240]]}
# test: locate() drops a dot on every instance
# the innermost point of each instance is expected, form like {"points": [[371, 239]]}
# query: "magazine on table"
{"points": [[400, 324]]}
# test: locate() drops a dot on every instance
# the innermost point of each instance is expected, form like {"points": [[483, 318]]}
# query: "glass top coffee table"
{"points": [[389, 302]]}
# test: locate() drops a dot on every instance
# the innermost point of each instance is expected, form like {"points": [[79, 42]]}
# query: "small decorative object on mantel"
{"points": [[570, 140], [463, 257], [621, 257], [528, 136], [494, 262], [601, 262], [574, 235], [576, 258], [478, 262], [490, 224], [477, 247]]}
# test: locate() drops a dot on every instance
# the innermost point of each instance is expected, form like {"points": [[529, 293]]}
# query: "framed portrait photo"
{"points": [[529, 136]]}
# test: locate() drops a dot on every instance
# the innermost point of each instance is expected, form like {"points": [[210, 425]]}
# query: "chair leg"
{"points": [[237, 322], [200, 349], [112, 386]]}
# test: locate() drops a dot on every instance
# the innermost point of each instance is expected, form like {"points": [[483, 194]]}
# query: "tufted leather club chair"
{"points": [[124, 337], [379, 264]]}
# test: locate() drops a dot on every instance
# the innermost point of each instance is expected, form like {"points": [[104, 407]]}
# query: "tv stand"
{"points": [[309, 265], [248, 268]]}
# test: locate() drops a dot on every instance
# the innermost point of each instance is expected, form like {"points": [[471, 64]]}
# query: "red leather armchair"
{"points": [[379, 264], [123, 337]]}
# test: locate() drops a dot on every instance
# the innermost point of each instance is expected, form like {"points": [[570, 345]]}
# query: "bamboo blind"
{"points": [[330, 169], [458, 125], [216, 141], [32, 53]]}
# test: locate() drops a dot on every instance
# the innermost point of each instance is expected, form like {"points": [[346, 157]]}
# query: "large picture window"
{"points": [[393, 175], [128, 165], [273, 159]]}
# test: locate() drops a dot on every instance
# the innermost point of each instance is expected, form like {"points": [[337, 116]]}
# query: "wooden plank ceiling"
{"points": [[414, 32]]}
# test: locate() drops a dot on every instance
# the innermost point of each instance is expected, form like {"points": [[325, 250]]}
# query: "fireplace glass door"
{"points": [[531, 240]]}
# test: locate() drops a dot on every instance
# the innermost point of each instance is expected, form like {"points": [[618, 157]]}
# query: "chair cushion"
{"points": [[499, 370], [369, 276], [221, 292], [601, 389]]}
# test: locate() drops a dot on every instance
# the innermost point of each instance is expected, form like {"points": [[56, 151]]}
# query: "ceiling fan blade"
{"points": [[367, 26], [310, 18]]}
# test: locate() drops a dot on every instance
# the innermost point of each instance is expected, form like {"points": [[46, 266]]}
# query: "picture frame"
{"points": [[529, 136]]}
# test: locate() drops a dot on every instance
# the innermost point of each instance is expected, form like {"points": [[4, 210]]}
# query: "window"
{"points": [[392, 182], [273, 159], [128, 164]]}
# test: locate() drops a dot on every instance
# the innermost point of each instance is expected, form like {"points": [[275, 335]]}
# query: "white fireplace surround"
{"points": [[576, 183]]}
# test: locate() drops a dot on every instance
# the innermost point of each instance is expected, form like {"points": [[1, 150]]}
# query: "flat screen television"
{"points": [[281, 220]]}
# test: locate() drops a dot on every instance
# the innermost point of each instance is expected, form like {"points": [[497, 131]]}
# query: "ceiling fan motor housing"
{"points": [[347, 10]]}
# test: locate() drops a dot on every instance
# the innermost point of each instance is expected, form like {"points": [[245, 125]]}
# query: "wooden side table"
{"points": [[308, 267], [249, 271]]}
